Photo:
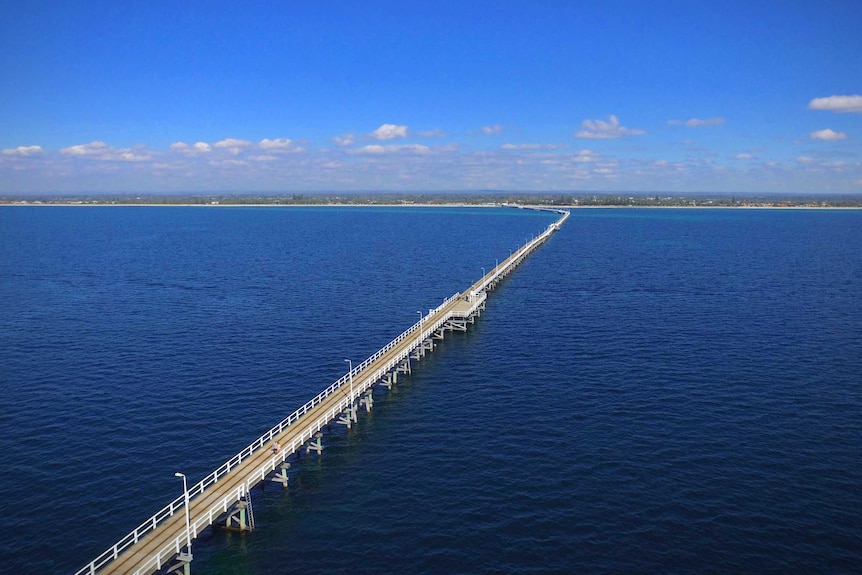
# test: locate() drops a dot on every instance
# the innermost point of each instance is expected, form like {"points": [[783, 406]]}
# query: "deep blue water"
{"points": [[652, 391]]}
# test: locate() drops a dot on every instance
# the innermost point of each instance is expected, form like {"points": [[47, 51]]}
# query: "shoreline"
{"points": [[77, 204]]}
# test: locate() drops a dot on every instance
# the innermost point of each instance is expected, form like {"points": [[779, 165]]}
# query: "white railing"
{"points": [[429, 322]]}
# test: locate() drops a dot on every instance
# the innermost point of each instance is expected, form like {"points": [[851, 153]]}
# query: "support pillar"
{"points": [[404, 367], [281, 474], [367, 400], [316, 444], [348, 418], [182, 565], [239, 517]]}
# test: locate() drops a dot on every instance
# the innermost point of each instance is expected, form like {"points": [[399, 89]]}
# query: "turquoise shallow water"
{"points": [[652, 391]]}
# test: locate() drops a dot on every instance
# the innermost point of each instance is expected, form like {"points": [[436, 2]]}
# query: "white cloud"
{"points": [[372, 149], [228, 163], [131, 156], [344, 140], [91, 149], [530, 147], [610, 130], [367, 163], [828, 135], [23, 151], [389, 132], [840, 104], [278, 143], [586, 156], [102, 151], [233, 146], [378, 149], [231, 143], [521, 147], [697, 122], [196, 149], [489, 130]]}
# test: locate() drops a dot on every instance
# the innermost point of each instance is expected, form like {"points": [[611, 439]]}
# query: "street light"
{"points": [[483, 272], [420, 320], [188, 526], [350, 363]]}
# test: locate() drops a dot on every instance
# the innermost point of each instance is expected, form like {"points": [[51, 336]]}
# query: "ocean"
{"points": [[654, 390]]}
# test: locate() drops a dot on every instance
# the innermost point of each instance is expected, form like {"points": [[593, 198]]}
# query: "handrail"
{"points": [[153, 522]]}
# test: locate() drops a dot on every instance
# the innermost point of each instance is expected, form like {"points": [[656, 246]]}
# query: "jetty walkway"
{"points": [[162, 543]]}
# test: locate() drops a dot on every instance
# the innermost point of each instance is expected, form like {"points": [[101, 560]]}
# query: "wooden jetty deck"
{"points": [[159, 544]]}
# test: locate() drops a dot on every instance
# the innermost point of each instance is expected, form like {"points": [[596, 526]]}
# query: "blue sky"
{"points": [[543, 95]]}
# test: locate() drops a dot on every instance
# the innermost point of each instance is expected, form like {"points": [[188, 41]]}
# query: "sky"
{"points": [[574, 96]]}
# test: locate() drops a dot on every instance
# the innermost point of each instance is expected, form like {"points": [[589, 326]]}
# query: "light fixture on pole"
{"points": [[188, 556]]}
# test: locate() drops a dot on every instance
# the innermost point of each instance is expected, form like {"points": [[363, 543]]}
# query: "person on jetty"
{"points": [[276, 447]]}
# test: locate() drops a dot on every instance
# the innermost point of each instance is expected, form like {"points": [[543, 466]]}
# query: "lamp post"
{"points": [[420, 320], [350, 363], [188, 525], [483, 272]]}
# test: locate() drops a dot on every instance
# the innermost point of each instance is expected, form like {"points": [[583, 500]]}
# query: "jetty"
{"points": [[163, 543]]}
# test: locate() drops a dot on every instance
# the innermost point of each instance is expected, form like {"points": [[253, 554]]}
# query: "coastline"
{"points": [[78, 204]]}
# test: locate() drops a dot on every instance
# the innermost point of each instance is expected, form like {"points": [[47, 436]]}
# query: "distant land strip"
{"points": [[491, 199]]}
